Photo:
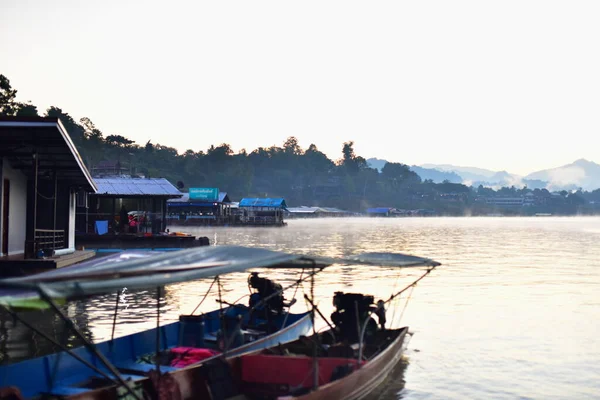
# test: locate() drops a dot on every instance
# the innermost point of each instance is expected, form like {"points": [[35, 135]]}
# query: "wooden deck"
{"points": [[138, 241], [17, 265]]}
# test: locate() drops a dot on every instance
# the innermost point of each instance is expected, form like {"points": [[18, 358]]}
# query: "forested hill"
{"points": [[301, 176]]}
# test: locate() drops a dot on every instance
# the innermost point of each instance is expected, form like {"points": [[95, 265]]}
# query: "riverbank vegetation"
{"points": [[301, 176]]}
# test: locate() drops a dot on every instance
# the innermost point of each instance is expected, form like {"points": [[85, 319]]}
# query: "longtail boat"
{"points": [[229, 375]]}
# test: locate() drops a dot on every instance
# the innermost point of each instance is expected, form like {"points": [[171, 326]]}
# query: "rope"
{"points": [[393, 290], [293, 297], [44, 197], [205, 294], [409, 286], [406, 304]]}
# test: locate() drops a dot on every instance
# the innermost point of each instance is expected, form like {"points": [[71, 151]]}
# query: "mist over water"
{"points": [[513, 312]]}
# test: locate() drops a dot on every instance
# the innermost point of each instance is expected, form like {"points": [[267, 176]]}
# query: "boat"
{"points": [[323, 366], [339, 363], [188, 341], [213, 377]]}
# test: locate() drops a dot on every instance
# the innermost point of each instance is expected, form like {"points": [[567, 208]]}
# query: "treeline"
{"points": [[301, 176]]}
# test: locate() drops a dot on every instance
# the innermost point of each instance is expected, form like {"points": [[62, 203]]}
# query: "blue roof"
{"points": [[264, 202], [136, 187], [379, 210]]}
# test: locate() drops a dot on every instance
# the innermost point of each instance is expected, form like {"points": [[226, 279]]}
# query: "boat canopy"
{"points": [[146, 269]]}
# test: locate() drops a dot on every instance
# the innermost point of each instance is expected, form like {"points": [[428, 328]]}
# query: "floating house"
{"points": [[382, 212], [40, 174], [128, 212], [201, 206], [316, 212], [262, 211], [128, 205]]}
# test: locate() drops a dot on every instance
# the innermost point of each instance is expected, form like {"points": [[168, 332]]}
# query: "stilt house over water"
{"points": [[262, 211], [201, 206], [40, 174]]}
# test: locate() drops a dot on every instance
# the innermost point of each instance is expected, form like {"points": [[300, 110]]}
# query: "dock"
{"points": [[134, 241], [18, 265]]}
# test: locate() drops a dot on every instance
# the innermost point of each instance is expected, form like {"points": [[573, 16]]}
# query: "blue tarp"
{"points": [[101, 227], [136, 187], [263, 202]]}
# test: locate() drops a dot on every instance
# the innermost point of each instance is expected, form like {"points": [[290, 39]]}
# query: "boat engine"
{"points": [[265, 288], [346, 320]]}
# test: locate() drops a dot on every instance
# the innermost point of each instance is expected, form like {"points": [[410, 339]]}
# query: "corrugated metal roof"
{"points": [[313, 210], [334, 210], [185, 198], [136, 187], [303, 210], [264, 202]]}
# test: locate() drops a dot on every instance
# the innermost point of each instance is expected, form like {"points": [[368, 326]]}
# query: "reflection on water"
{"points": [[18, 341], [513, 312]]}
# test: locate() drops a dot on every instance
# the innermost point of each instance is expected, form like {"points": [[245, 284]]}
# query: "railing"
{"points": [[49, 239], [146, 222], [196, 220], [262, 220]]}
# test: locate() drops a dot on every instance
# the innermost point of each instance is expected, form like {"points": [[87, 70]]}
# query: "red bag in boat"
{"points": [[185, 356]]}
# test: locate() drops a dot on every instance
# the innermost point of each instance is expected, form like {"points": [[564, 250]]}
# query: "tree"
{"points": [[75, 130], [316, 161], [291, 146], [26, 110], [8, 104], [399, 172], [350, 162], [90, 131], [119, 141]]}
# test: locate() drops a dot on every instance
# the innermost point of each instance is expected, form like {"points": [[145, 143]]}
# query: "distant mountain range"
{"points": [[579, 174]]}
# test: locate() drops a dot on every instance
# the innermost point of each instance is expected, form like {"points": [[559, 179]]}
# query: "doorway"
{"points": [[5, 203]]}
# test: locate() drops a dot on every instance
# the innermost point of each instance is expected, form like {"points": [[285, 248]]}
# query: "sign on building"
{"points": [[207, 194]]}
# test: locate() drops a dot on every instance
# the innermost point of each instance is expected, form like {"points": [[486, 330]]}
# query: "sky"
{"points": [[503, 85]]}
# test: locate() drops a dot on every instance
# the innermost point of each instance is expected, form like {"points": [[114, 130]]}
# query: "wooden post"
{"points": [[114, 211], [35, 192], [31, 224], [153, 216], [164, 215], [54, 214]]}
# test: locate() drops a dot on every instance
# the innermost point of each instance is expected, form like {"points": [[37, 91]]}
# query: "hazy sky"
{"points": [[511, 85]]}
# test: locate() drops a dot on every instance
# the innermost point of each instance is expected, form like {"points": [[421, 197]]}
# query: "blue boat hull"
{"points": [[63, 374]]}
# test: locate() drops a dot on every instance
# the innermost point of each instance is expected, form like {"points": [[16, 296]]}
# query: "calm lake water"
{"points": [[513, 312]]}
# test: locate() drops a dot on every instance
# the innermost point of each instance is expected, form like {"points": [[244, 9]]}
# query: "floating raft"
{"points": [[139, 241]]}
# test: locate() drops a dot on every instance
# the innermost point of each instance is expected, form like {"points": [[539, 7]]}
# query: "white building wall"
{"points": [[1, 202], [17, 210]]}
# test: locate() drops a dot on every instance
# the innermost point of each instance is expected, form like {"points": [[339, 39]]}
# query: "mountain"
{"points": [[425, 173], [579, 174], [582, 174], [473, 176], [436, 175], [376, 163], [467, 173]]}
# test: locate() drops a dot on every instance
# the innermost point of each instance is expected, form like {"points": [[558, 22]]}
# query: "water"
{"points": [[513, 312]]}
